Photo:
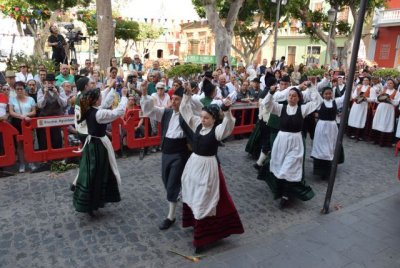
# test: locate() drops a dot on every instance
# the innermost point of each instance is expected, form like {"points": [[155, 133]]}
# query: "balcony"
{"points": [[389, 18]]}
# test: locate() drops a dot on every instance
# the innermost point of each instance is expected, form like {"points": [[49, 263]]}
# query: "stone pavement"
{"points": [[366, 234], [39, 227]]}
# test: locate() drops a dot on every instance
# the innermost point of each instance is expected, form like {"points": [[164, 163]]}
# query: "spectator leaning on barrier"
{"points": [[22, 108], [51, 101]]}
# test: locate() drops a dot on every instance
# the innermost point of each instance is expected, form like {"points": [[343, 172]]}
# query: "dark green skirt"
{"points": [[253, 146], [96, 184], [323, 167], [300, 190]]}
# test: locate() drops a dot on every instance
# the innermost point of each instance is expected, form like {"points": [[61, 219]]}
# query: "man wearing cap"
{"points": [[255, 88], [23, 75], [173, 146], [51, 101], [10, 79]]}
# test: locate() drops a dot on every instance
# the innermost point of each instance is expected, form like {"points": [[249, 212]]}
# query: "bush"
{"points": [[315, 72], [185, 70], [386, 73], [32, 61]]}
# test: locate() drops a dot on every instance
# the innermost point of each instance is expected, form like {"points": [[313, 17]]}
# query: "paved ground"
{"points": [[39, 228]]}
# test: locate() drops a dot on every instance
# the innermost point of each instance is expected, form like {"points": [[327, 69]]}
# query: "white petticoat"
{"points": [[287, 156], [384, 118], [324, 140], [358, 115], [200, 185]]}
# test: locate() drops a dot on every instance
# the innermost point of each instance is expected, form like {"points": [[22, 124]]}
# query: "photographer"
{"points": [[133, 85], [57, 43], [51, 101]]}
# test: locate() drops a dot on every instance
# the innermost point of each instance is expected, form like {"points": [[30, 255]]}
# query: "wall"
{"points": [[385, 53]]}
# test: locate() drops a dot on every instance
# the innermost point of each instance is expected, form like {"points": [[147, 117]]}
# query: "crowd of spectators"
{"points": [[25, 95]]}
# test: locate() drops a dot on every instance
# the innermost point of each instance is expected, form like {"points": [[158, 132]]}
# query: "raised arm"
{"points": [[148, 107], [192, 120], [314, 104], [105, 116], [270, 105], [225, 129]]}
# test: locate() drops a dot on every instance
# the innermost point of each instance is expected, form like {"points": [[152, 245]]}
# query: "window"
{"points": [[313, 54], [385, 51]]}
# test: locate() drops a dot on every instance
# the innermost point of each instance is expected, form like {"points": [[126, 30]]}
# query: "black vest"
{"points": [[291, 123], [205, 145], [171, 146], [327, 114], [94, 128]]}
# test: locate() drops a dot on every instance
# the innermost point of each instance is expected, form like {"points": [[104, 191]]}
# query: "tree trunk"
{"points": [[126, 48], [223, 33], [106, 33]]}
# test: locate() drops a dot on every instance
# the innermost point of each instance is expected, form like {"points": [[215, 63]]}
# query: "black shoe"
{"points": [[199, 250], [283, 203], [41, 167], [91, 214], [72, 187], [256, 166], [166, 224]]}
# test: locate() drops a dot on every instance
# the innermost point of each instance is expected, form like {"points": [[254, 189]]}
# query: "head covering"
{"points": [[208, 74], [298, 94], [285, 78], [193, 84], [92, 94], [81, 83], [270, 80], [50, 77], [256, 80], [10, 74], [325, 89], [303, 79], [207, 88], [214, 110], [179, 92], [160, 85]]}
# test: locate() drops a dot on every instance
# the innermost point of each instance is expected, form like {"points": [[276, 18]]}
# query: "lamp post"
{"points": [[343, 119], [278, 10], [331, 19]]}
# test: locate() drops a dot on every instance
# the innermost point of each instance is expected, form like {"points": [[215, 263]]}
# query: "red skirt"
{"points": [[213, 228]]}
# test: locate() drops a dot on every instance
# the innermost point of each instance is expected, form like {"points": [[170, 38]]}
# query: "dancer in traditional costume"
{"points": [[326, 134], [360, 114], [174, 147], [287, 153], [384, 119], [98, 177], [207, 205]]}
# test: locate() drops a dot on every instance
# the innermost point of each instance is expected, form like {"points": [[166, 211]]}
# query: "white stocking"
{"points": [[261, 159], [172, 209]]}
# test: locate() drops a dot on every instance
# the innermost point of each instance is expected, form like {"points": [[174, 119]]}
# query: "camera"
{"points": [[130, 78], [50, 88], [73, 36]]}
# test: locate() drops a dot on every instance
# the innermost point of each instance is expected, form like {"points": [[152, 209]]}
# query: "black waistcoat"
{"points": [[291, 123], [168, 145], [205, 145], [94, 128], [327, 114]]}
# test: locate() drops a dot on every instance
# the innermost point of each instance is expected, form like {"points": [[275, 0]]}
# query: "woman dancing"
{"points": [[98, 177], [207, 205]]}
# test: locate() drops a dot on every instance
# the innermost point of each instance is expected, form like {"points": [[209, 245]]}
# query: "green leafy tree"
{"points": [[300, 9], [125, 30], [37, 16]]}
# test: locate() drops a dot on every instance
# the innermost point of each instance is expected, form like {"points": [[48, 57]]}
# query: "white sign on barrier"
{"points": [[55, 121]]}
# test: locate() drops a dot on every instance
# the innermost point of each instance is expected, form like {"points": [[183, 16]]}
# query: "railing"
{"points": [[389, 17], [244, 112]]}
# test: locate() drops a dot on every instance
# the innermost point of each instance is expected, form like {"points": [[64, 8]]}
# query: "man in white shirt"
{"points": [[173, 147]]}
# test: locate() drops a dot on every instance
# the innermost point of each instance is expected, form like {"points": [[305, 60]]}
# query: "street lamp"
{"points": [[278, 10], [331, 19]]}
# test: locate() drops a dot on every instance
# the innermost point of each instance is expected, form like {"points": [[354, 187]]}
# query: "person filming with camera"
{"points": [[57, 43]]}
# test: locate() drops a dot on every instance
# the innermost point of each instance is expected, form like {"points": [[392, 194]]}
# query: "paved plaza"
{"points": [[39, 227]]}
